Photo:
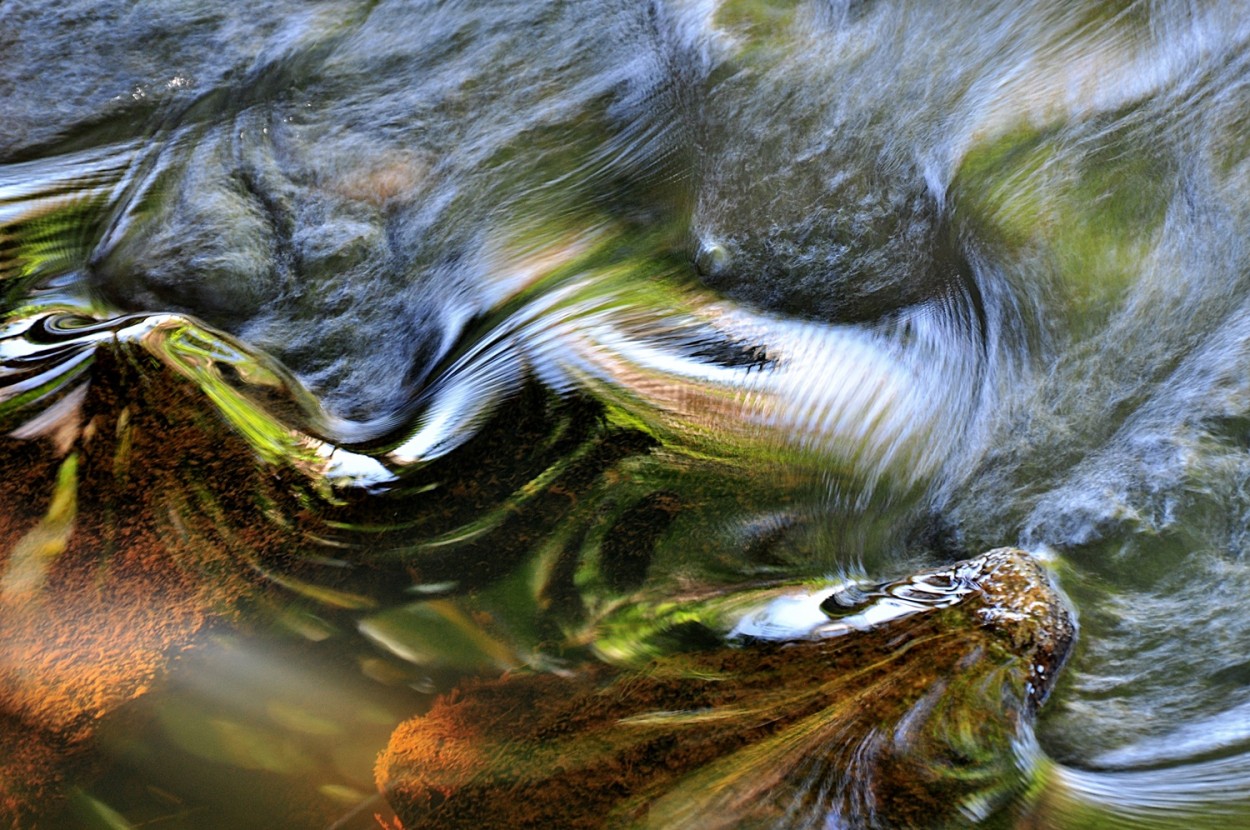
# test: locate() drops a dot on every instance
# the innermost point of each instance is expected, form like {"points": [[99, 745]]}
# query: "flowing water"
{"points": [[354, 348]]}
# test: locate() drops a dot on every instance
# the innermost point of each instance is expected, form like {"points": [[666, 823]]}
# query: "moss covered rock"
{"points": [[905, 722]]}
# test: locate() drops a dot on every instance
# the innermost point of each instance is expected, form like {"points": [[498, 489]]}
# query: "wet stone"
{"points": [[167, 496], [111, 563], [908, 722]]}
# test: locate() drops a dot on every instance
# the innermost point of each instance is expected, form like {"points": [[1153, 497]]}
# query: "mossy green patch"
{"points": [[1086, 204]]}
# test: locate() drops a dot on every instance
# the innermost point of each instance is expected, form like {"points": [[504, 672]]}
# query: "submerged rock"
{"points": [[899, 707], [167, 488], [115, 551]]}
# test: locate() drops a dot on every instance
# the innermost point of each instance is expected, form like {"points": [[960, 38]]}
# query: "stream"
{"points": [[361, 357]]}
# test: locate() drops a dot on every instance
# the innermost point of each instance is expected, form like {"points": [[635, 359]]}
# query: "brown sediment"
{"points": [[909, 724], [383, 178], [113, 558], [30, 771]]}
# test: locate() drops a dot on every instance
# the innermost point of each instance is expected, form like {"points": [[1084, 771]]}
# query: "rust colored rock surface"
{"points": [[115, 554], [909, 723]]}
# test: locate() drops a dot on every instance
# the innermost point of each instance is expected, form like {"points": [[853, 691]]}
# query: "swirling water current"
{"points": [[354, 347]]}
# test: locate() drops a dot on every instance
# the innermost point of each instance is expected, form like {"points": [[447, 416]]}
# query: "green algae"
{"points": [[1084, 223]]}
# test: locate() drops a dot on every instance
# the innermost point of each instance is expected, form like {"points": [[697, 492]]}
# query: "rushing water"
{"points": [[353, 348]]}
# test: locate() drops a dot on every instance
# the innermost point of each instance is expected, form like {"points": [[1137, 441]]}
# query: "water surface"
{"points": [[363, 347]]}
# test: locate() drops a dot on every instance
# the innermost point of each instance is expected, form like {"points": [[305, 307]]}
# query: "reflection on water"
{"points": [[367, 347], [249, 733]]}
